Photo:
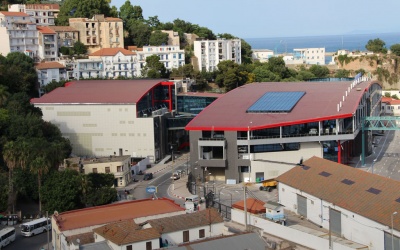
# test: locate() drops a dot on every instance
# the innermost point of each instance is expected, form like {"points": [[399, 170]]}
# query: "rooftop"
{"points": [[43, 6], [45, 30], [99, 91], [201, 94], [112, 52], [101, 215], [8, 13], [321, 99], [49, 65], [63, 28], [369, 195], [253, 206]]}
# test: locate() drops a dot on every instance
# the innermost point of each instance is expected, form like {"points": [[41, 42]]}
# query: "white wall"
{"points": [[176, 238], [101, 130], [354, 227]]}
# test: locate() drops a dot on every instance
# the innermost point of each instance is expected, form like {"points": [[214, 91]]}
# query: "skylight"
{"points": [[348, 182], [276, 102], [325, 174], [374, 191]]}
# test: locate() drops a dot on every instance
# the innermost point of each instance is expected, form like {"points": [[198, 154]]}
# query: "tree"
{"points": [[154, 23], [4, 94], [39, 166], [395, 49], [10, 156], [376, 46], [53, 85], [319, 71], [158, 38], [342, 73], [82, 8], [66, 51], [126, 12], [154, 68], [98, 189], [139, 32], [246, 52], [79, 48], [277, 66]]}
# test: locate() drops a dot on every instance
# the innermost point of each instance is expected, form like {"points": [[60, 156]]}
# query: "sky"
{"points": [[279, 18]]}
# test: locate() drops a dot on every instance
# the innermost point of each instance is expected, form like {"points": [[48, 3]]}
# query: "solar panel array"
{"points": [[276, 102]]}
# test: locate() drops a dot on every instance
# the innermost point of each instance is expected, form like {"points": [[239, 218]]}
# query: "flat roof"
{"points": [[114, 212], [320, 102], [99, 92]]}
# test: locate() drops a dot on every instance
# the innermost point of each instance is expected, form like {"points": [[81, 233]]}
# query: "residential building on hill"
{"points": [[260, 130], [99, 32], [352, 203], [262, 55], [76, 224], [173, 37], [390, 106], [211, 52], [48, 72], [19, 34], [101, 117], [43, 14], [307, 56], [48, 49], [66, 36]]}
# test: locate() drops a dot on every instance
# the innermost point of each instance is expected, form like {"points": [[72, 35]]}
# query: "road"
{"points": [[28, 243]]}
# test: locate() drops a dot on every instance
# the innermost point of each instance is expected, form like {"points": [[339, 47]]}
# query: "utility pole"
{"points": [[245, 206], [48, 230]]}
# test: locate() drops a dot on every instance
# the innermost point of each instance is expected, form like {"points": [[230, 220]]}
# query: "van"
{"points": [[193, 198]]}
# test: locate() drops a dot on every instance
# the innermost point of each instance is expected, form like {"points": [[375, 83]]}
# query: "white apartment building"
{"points": [[171, 56], [43, 14], [48, 49], [211, 52], [308, 56], [18, 34], [48, 72], [87, 68], [262, 55]]}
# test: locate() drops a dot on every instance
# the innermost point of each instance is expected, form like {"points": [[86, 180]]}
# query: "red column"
{"points": [[339, 152], [170, 97]]}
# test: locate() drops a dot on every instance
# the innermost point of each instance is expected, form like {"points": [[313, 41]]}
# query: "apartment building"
{"points": [[99, 32], [66, 36], [43, 14], [48, 72], [262, 55], [18, 34], [116, 62], [308, 56], [87, 68], [173, 37], [171, 56], [48, 49], [211, 52]]}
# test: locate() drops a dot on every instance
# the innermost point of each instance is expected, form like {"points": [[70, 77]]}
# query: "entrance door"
{"points": [[335, 221], [302, 205]]}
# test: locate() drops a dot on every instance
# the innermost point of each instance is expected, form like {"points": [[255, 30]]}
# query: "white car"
{"points": [[175, 176]]}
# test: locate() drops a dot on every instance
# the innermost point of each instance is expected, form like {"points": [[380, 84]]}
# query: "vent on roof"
{"points": [[374, 190], [347, 182], [398, 200], [325, 174], [305, 167]]}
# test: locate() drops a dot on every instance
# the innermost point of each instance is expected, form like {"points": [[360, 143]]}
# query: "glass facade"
{"points": [[193, 104]]}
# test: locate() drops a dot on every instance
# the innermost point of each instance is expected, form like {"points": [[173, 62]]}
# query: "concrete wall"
{"points": [[176, 238]]}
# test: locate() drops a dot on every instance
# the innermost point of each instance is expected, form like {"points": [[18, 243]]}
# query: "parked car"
{"points": [[148, 176], [175, 176]]}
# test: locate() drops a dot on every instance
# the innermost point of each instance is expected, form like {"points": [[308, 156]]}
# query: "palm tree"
{"points": [[40, 165], [11, 157]]}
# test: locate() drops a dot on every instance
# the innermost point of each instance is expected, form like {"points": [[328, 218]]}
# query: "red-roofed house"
{"points": [[260, 130], [99, 32], [390, 106], [11, 25], [48, 72], [107, 117], [48, 50], [76, 222], [43, 14]]}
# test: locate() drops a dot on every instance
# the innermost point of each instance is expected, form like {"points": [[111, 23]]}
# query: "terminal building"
{"points": [[261, 130]]}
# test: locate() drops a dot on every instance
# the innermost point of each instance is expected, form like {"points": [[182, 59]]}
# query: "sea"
{"points": [[331, 43]]}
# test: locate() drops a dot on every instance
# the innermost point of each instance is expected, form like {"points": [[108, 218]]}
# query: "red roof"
{"points": [[9, 13], [390, 101], [99, 91], [43, 6], [49, 65], [253, 206], [45, 30], [115, 212], [112, 52], [320, 102]]}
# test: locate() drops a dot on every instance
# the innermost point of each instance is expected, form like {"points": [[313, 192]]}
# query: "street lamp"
{"points": [[394, 213]]}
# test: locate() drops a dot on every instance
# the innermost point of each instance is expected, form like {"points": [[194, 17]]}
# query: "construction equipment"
{"points": [[268, 185]]}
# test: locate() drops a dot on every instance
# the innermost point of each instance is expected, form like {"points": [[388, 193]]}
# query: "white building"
{"points": [[87, 68], [211, 52], [18, 34], [307, 56], [262, 55], [48, 49], [48, 72], [170, 55], [354, 204], [43, 14], [101, 117]]}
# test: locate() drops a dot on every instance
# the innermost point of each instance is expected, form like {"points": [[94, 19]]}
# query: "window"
{"points": [[148, 245], [95, 170], [107, 169], [119, 168], [201, 233], [129, 247], [186, 236]]}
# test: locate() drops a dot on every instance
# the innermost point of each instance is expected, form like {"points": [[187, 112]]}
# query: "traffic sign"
{"points": [[151, 189]]}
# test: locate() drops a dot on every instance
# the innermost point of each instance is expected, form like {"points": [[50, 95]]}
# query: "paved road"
{"points": [[28, 243]]}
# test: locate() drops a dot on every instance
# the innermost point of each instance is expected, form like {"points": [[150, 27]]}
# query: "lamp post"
{"points": [[393, 214], [373, 163]]}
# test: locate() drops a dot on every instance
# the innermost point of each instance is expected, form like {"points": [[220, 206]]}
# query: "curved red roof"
{"points": [[99, 92], [228, 113]]}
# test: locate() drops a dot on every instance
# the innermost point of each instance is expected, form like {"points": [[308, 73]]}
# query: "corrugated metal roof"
{"points": [[355, 197], [228, 113], [99, 92]]}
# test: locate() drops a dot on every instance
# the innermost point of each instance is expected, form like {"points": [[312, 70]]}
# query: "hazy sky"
{"points": [[278, 18]]}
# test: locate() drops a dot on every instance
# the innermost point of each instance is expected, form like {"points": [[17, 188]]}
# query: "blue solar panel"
{"points": [[276, 102]]}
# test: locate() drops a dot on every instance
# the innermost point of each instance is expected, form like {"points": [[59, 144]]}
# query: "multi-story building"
{"points": [[18, 34], [211, 52], [43, 14], [48, 72], [99, 32], [171, 56], [262, 55], [87, 68], [101, 117], [261, 130], [308, 56], [116, 62], [66, 35], [173, 37], [48, 50]]}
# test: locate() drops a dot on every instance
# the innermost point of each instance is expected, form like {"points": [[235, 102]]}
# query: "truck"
{"points": [[268, 185]]}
